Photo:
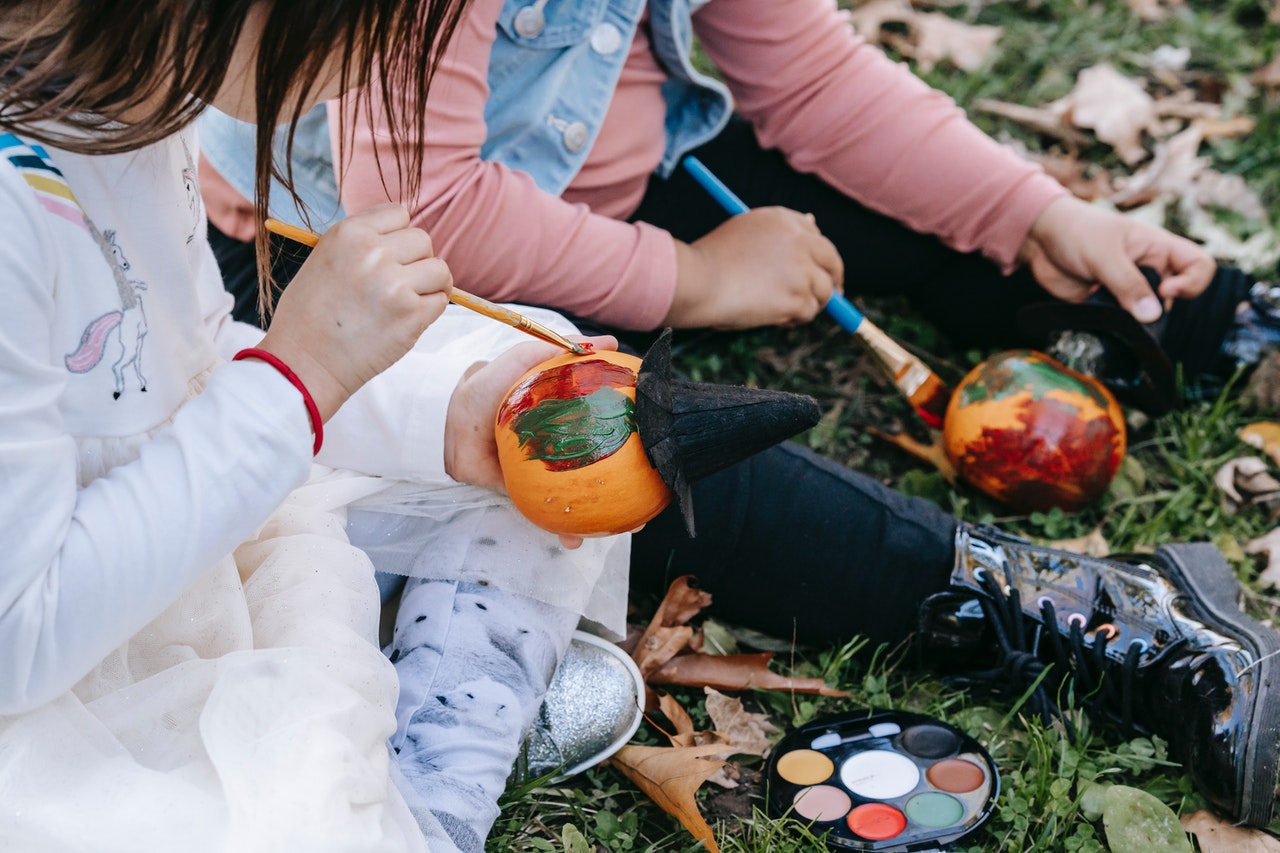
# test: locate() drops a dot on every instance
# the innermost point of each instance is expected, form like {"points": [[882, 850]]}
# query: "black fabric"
{"points": [[965, 296], [238, 264], [793, 544]]}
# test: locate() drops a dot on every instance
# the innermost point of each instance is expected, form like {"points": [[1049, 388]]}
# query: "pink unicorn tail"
{"points": [[93, 342]]}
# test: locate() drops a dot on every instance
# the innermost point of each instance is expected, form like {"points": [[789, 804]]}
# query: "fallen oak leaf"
{"points": [[1216, 835], [670, 776], [1046, 120], [1173, 170], [666, 634], [937, 37], [1261, 251], [1268, 544], [1245, 480], [735, 672], [747, 732], [869, 18], [682, 602], [1263, 435], [1085, 180], [659, 645], [1116, 108], [675, 712]]}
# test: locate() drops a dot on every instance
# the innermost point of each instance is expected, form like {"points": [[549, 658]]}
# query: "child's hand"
{"points": [[767, 267], [362, 299], [1074, 247], [470, 450]]}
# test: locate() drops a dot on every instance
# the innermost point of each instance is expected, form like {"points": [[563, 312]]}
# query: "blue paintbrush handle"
{"points": [[840, 308]]}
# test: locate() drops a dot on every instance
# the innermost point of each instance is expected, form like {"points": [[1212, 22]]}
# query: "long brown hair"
{"points": [[72, 70]]}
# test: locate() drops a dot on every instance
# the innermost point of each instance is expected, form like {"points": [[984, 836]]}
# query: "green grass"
{"points": [[1165, 492]]}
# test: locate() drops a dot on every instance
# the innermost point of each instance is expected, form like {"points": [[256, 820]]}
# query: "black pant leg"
{"points": [[965, 296], [791, 543]]}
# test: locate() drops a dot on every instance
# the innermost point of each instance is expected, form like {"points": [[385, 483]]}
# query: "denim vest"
{"points": [[552, 72], [229, 144]]}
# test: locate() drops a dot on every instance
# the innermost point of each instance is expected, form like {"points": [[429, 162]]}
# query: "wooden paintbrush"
{"points": [[456, 296], [926, 393]]}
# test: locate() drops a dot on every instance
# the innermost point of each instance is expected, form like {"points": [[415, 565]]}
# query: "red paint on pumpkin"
{"points": [[577, 378], [1033, 433]]}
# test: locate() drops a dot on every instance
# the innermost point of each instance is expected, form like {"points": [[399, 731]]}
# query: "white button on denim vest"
{"points": [[606, 39], [531, 21]]}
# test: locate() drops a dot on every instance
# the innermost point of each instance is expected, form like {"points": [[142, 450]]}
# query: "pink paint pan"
{"points": [[883, 781]]}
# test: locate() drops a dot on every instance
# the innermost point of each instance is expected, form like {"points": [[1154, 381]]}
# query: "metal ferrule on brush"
{"points": [[907, 371]]}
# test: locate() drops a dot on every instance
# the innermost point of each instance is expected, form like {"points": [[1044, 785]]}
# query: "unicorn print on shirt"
{"points": [[120, 332]]}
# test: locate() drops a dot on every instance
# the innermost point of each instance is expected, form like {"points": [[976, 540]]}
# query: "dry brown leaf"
{"points": [[1245, 480], [726, 776], [670, 776], [1116, 108], [1230, 192], [933, 36], [682, 602], [1217, 127], [735, 672], [1268, 544], [1263, 435], [931, 453], [1092, 544], [1046, 120], [938, 37], [667, 634], [747, 732], [659, 645], [1259, 252], [1173, 170], [1219, 836], [1085, 180], [1183, 105], [676, 713], [1269, 74], [868, 18]]}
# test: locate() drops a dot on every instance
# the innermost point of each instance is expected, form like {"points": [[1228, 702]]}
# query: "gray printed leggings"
{"points": [[474, 664]]}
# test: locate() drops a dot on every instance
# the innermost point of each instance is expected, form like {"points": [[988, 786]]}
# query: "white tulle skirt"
{"points": [[251, 715]]}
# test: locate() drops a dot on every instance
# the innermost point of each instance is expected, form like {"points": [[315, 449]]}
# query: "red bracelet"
{"points": [[317, 426]]}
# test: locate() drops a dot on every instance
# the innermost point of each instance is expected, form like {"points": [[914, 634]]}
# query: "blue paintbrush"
{"points": [[926, 393]]}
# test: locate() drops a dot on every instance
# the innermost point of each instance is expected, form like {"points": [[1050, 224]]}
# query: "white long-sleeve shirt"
{"points": [[119, 485]]}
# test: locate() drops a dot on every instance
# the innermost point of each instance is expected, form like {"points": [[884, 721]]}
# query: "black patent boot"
{"points": [[1154, 643]]}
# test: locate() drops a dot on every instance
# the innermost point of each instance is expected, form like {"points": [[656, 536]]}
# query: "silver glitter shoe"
{"points": [[592, 709]]}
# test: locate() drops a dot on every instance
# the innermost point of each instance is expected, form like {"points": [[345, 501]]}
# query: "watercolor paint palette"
{"points": [[883, 781]]}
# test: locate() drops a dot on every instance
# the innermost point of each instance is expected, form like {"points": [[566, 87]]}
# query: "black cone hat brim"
{"points": [[691, 430]]}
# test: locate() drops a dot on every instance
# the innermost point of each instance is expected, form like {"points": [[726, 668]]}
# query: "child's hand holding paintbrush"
{"points": [[456, 296], [927, 393]]}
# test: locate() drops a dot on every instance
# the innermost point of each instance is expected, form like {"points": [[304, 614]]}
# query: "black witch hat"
{"points": [[691, 430]]}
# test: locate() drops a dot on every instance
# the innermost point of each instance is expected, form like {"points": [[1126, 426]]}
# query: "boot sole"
{"points": [[1201, 569]]}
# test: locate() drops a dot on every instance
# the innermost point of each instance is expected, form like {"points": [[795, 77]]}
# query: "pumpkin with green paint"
{"points": [[1034, 433], [570, 450]]}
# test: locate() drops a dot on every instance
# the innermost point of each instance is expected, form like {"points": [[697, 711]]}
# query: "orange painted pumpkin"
{"points": [[1034, 433], [570, 452]]}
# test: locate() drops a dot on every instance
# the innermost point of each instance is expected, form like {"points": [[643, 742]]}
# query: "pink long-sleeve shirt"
{"points": [[835, 105]]}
